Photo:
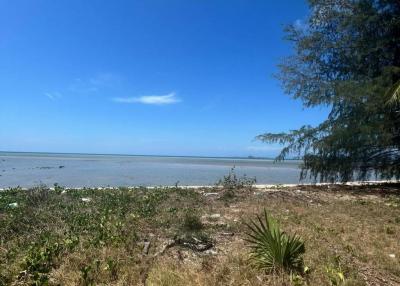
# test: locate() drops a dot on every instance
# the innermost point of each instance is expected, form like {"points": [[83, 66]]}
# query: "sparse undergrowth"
{"points": [[175, 236], [232, 183]]}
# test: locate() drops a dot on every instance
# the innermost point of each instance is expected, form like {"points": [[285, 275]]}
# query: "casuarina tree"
{"points": [[347, 58]]}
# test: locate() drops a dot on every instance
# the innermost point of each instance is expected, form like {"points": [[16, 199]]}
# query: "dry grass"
{"points": [[349, 230]]}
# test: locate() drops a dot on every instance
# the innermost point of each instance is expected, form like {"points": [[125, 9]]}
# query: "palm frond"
{"points": [[272, 249], [393, 94]]}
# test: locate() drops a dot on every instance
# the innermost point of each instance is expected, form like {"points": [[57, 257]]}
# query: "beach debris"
{"points": [[392, 255], [212, 216], [210, 194], [13, 205], [190, 242], [167, 244], [22, 274], [227, 234], [86, 200], [194, 243], [211, 252], [146, 247]]}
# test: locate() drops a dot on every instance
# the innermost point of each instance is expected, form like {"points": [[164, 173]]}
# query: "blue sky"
{"points": [[145, 77]]}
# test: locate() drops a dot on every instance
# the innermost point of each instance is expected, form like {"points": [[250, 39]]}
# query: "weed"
{"points": [[147, 204], [37, 195], [86, 275], [112, 268], [41, 259], [390, 230], [192, 222], [335, 273], [231, 183]]}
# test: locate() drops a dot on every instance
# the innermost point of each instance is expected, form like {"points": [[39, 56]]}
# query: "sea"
{"points": [[95, 170]]}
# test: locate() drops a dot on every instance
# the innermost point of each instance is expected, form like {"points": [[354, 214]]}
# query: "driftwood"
{"points": [[227, 233], [146, 247], [192, 243], [167, 244]]}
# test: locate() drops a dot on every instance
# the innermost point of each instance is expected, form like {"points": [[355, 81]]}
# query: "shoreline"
{"points": [[197, 187]]}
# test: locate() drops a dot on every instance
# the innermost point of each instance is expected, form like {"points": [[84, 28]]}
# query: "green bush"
{"points": [[37, 195], [192, 222], [272, 249], [233, 181], [40, 260]]}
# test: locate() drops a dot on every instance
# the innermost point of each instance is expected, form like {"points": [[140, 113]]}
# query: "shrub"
{"points": [[37, 195], [40, 260], [232, 181], [272, 249], [192, 222]]}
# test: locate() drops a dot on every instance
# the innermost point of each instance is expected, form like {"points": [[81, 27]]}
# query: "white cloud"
{"points": [[53, 95], [150, 99]]}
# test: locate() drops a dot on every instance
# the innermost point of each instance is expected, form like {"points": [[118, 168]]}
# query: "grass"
{"points": [[96, 236]]}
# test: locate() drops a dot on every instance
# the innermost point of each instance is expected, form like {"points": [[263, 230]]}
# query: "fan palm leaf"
{"points": [[272, 249], [393, 93]]}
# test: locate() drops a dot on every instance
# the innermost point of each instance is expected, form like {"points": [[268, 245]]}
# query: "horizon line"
{"points": [[144, 155]]}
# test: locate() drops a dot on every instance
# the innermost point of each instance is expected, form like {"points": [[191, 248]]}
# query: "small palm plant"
{"points": [[273, 250], [393, 93]]}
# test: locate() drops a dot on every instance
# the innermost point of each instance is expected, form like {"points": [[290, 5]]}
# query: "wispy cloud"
{"points": [[53, 95], [105, 79], [94, 84], [150, 99]]}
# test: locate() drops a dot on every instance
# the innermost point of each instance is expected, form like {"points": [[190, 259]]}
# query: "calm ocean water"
{"points": [[80, 170]]}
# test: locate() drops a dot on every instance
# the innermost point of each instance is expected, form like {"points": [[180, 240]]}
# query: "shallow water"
{"points": [[82, 170]]}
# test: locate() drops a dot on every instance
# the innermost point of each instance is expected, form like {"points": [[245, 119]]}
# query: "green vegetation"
{"points": [[177, 236], [272, 249], [347, 58], [192, 222], [232, 182], [335, 273]]}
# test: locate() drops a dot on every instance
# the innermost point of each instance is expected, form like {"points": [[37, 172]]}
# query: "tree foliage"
{"points": [[347, 57]]}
